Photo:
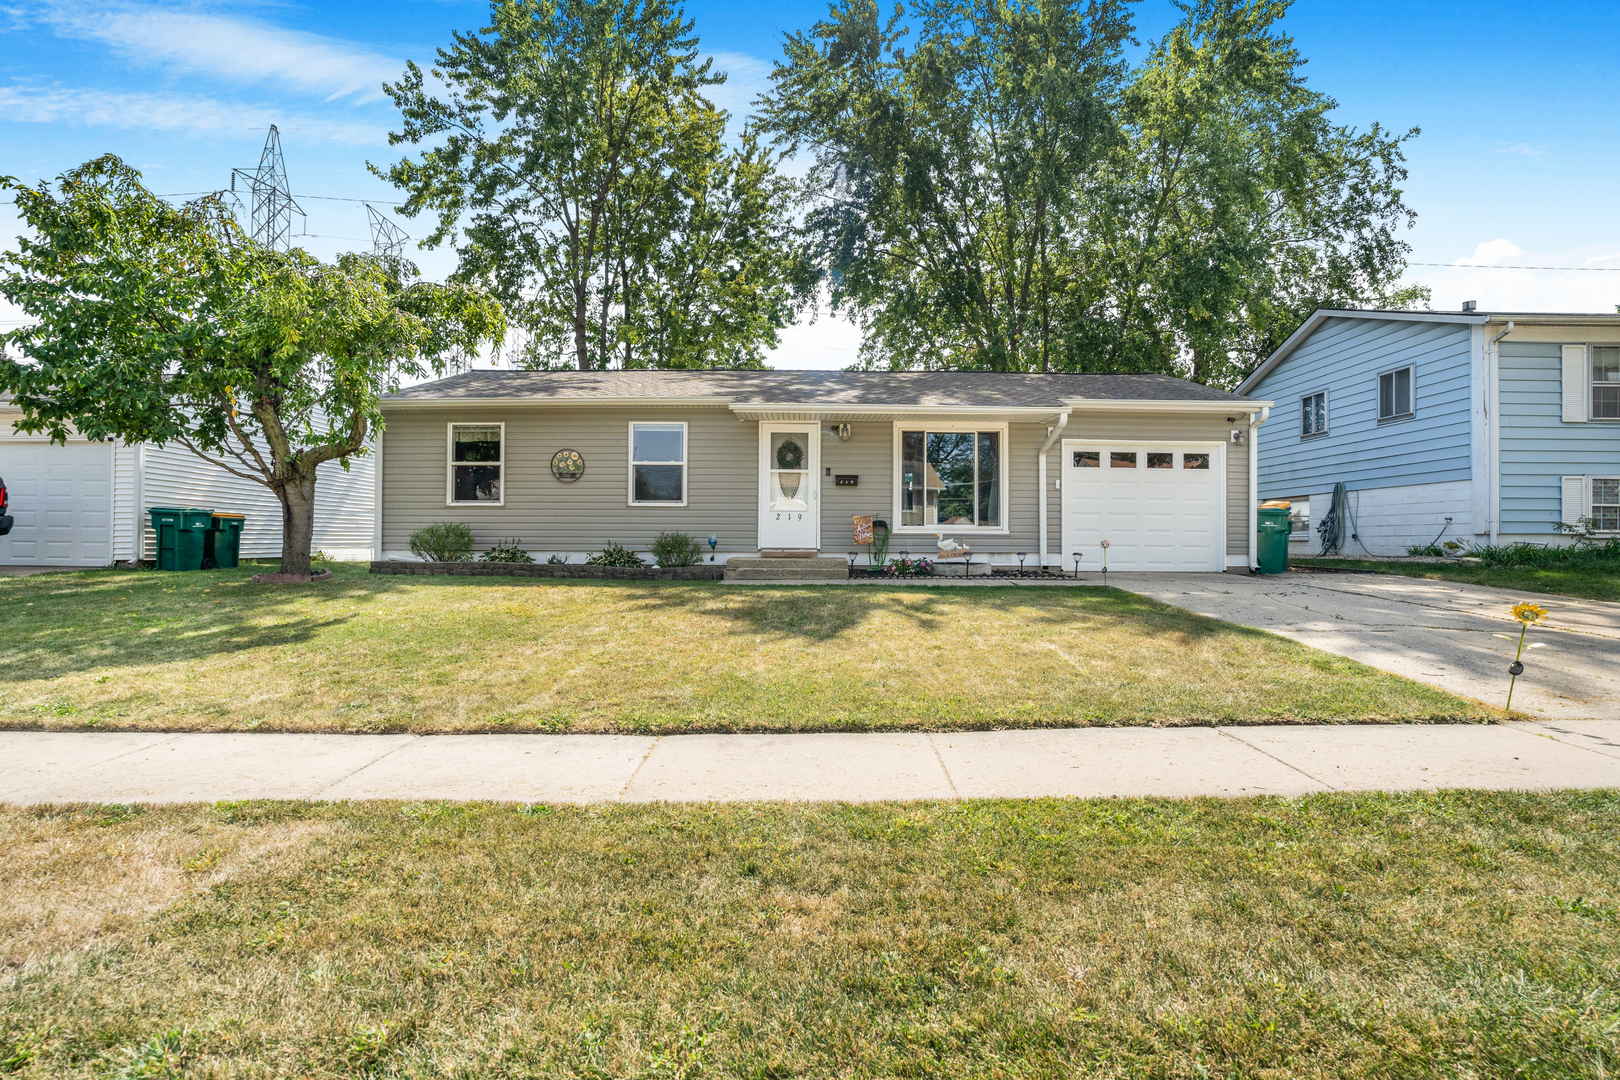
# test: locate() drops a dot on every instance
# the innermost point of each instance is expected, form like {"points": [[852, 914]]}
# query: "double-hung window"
{"points": [[477, 463], [1606, 503], [1313, 414], [1606, 382], [1395, 394], [952, 478], [658, 464]]}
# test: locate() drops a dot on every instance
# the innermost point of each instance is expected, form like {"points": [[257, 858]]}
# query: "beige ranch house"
{"points": [[1042, 466]]}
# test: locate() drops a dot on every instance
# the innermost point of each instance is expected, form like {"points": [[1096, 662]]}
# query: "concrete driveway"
{"points": [[1441, 633]]}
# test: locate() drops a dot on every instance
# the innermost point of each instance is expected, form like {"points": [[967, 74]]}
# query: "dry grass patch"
{"points": [[1427, 935], [209, 651]]}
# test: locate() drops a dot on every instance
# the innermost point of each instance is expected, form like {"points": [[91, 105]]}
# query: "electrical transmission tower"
{"points": [[272, 206], [386, 237]]}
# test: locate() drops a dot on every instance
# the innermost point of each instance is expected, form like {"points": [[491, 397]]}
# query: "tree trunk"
{"points": [[297, 523]]}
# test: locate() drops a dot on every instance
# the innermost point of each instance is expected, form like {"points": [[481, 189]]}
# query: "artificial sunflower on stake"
{"points": [[1528, 615]]}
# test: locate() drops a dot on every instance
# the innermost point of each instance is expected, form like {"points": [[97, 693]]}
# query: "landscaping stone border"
{"points": [[702, 572]]}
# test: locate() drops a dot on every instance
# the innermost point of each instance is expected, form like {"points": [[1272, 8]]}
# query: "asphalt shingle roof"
{"points": [[990, 389]]}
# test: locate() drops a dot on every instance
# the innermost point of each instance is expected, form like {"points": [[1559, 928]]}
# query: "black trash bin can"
{"points": [[222, 548]]}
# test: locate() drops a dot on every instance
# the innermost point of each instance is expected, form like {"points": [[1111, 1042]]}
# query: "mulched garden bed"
{"points": [[704, 572]]}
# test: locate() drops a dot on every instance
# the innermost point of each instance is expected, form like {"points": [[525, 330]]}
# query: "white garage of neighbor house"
{"points": [[1019, 466], [84, 503]]}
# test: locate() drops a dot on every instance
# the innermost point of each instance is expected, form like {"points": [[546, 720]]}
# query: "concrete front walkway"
{"points": [[58, 767], [1454, 636]]}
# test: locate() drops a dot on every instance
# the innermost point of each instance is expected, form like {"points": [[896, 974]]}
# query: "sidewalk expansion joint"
{"points": [[948, 778]]}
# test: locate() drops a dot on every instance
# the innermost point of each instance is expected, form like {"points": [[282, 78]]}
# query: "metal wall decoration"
{"points": [[567, 465]]}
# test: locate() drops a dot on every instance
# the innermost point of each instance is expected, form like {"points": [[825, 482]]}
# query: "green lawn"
{"points": [[209, 651], [1426, 935], [1584, 582]]}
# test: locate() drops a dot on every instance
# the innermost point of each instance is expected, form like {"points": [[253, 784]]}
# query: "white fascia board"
{"points": [[1147, 405], [569, 402], [833, 410], [1321, 315]]}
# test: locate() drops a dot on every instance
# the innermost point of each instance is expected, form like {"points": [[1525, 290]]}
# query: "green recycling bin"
{"points": [[1273, 529], [180, 536], [222, 546]]}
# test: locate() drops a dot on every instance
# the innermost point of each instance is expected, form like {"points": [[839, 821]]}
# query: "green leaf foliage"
{"points": [[994, 186], [163, 324], [571, 158]]}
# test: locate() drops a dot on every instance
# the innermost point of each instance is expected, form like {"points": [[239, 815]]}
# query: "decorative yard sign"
{"points": [[567, 465], [863, 528]]}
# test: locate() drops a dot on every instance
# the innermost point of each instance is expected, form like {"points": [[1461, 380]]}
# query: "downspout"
{"points": [[1052, 436], [1255, 420], [1493, 442]]}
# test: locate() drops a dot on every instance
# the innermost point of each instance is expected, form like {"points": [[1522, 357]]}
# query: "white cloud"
{"points": [[173, 112], [746, 78], [235, 50], [1527, 149], [1491, 251]]}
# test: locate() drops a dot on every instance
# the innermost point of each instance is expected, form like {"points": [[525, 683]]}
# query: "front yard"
{"points": [[1430, 935], [114, 649]]}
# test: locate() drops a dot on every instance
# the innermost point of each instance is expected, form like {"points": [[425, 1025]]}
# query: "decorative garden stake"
{"points": [[1077, 558], [714, 542], [1105, 561], [1021, 556], [1528, 615], [852, 556]]}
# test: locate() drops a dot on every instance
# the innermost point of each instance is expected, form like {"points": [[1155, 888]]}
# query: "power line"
{"points": [[1479, 266]]}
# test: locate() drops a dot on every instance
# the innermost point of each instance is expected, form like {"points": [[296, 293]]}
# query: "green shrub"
{"points": [[443, 541], [506, 551], [1425, 549], [906, 566], [676, 549], [614, 555], [557, 560], [1590, 556]]}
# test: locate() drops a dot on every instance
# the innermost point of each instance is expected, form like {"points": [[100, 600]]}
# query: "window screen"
{"points": [[1605, 382], [1395, 394]]}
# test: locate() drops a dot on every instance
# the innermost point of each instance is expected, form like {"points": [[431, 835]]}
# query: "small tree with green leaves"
{"points": [[156, 323]]}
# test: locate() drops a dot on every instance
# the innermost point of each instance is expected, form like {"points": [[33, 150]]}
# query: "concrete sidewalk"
{"points": [[1457, 637], [58, 767]]}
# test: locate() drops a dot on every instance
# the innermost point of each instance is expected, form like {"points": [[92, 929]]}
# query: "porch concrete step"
{"points": [[779, 569]]}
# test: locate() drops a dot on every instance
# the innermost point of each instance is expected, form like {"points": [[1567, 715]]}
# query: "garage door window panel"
{"points": [[951, 478], [1195, 461]]}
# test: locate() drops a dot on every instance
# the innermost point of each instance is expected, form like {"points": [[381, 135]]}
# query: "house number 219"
{"points": [[791, 517]]}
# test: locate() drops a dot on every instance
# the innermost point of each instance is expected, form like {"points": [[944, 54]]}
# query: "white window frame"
{"points": [[1378, 394], [1591, 507], [450, 461], [1326, 415], [924, 426], [630, 469], [1591, 389]]}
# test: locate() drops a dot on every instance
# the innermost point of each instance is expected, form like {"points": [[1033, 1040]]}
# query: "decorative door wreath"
{"points": [[567, 465], [790, 456]]}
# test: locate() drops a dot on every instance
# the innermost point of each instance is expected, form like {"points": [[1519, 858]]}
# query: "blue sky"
{"points": [[1516, 165]]}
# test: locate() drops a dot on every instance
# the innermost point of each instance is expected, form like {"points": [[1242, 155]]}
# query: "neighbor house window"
{"points": [[476, 462], [1606, 382], [1606, 503], [1395, 394], [1313, 420], [1299, 517], [658, 464], [951, 478]]}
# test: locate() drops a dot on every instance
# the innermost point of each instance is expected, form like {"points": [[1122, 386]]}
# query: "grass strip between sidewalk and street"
{"points": [[125, 650], [1421, 935]]}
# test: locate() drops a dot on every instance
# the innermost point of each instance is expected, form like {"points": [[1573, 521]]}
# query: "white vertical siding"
{"points": [[126, 459]]}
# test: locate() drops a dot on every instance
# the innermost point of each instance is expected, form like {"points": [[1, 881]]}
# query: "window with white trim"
{"points": [[658, 464], [1605, 511], [1313, 414], [1606, 382], [1395, 394], [477, 462], [952, 479]]}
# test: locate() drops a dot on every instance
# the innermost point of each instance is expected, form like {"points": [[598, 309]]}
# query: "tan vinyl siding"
{"points": [[1138, 427], [545, 513]]}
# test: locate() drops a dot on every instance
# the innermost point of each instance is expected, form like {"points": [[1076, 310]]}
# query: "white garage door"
{"points": [[1160, 506], [61, 497]]}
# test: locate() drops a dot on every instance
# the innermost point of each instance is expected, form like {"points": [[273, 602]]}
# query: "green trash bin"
{"points": [[180, 536], [1273, 529], [222, 548]]}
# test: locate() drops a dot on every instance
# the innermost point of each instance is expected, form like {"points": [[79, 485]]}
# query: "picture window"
{"points": [[951, 478]]}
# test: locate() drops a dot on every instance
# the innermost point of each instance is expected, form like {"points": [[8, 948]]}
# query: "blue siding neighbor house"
{"points": [[1481, 427]]}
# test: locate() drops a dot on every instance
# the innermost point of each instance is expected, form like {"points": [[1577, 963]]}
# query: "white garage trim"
{"points": [[1191, 537]]}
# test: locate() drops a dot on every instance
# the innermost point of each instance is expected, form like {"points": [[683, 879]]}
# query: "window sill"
{"points": [[464, 505], [655, 504], [1396, 419], [1313, 435], [936, 530]]}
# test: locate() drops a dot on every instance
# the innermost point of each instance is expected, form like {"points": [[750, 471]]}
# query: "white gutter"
{"points": [[1136, 405], [536, 399], [1255, 420], [1493, 432], [1052, 436]]}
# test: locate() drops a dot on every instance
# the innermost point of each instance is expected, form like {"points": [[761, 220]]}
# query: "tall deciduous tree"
{"points": [[575, 164], [1009, 194], [165, 324]]}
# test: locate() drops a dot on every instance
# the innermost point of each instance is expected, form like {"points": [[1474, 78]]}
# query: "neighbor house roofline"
{"points": [[546, 399]]}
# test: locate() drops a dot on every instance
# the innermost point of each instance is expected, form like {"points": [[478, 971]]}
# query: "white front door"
{"points": [[1160, 506], [789, 487]]}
